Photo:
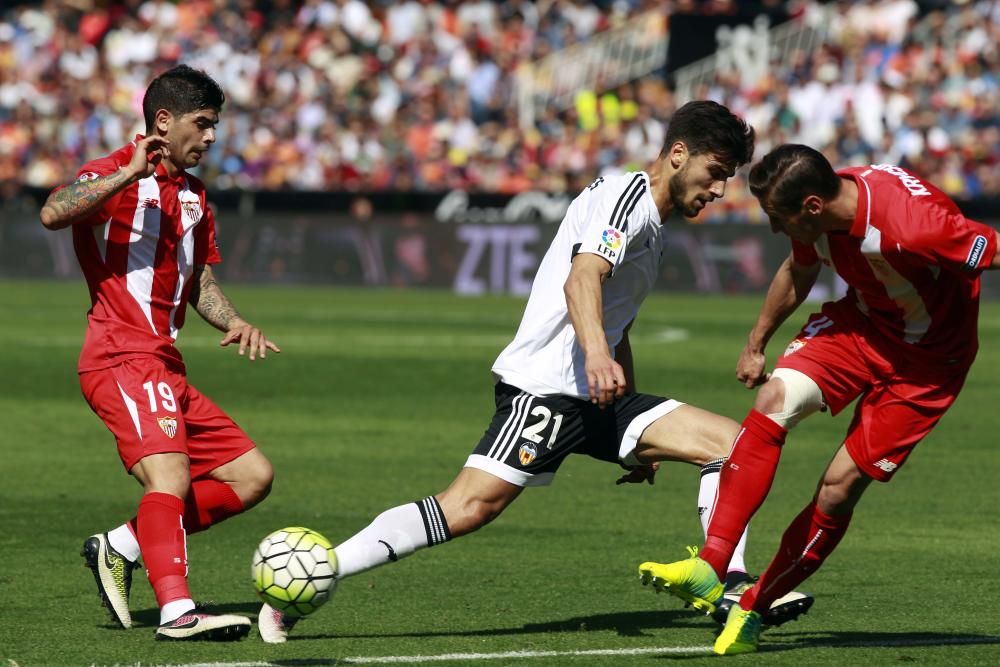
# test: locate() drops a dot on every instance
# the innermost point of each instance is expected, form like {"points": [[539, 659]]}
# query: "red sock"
{"points": [[209, 502], [163, 545], [811, 537], [745, 480]]}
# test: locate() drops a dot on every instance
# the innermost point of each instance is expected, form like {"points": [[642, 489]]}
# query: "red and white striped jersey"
{"points": [[138, 253], [912, 261]]}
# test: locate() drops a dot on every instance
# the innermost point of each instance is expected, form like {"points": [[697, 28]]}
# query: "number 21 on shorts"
{"points": [[533, 432]]}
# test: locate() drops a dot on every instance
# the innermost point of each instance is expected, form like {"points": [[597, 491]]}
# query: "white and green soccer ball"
{"points": [[295, 570]]}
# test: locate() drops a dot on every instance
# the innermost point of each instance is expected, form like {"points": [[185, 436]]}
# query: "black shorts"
{"points": [[531, 435]]}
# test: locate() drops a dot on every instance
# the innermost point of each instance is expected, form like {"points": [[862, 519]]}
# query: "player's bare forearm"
{"points": [[77, 201], [789, 288], [211, 303], [584, 301]]}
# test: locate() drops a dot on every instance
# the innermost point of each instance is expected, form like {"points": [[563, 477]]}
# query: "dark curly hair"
{"points": [[181, 90], [709, 128]]}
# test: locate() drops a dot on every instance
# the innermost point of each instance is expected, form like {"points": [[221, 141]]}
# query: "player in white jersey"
{"points": [[566, 384]]}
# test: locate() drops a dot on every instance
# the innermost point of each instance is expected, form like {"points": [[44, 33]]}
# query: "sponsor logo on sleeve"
{"points": [[87, 176], [975, 253], [611, 240]]}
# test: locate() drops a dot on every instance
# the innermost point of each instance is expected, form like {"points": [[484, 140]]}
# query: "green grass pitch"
{"points": [[376, 400]]}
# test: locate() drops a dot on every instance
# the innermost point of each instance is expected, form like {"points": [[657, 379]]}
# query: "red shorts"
{"points": [[151, 409], [901, 399]]}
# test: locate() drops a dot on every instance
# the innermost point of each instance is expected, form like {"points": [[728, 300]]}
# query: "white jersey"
{"points": [[614, 218]]}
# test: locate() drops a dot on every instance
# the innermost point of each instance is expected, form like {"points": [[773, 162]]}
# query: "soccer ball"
{"points": [[295, 570]]}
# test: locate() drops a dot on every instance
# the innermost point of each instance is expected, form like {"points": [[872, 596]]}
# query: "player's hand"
{"points": [[250, 338], [149, 152], [605, 379], [640, 474], [750, 367]]}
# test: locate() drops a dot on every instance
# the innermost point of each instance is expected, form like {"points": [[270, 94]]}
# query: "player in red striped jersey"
{"points": [[900, 342], [145, 239]]}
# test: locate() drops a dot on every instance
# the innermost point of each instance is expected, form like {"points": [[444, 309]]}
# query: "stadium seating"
{"points": [[348, 95]]}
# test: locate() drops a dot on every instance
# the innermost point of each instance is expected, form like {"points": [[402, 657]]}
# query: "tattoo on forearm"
{"points": [[214, 306], [82, 198]]}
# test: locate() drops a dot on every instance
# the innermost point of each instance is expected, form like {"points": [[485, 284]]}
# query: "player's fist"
{"points": [[605, 379], [750, 367]]}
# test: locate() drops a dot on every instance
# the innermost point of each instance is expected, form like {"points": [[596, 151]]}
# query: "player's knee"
{"points": [[257, 481], [770, 397], [789, 397], [164, 473]]}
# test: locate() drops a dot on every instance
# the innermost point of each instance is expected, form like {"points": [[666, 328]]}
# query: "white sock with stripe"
{"points": [[707, 495], [394, 534]]}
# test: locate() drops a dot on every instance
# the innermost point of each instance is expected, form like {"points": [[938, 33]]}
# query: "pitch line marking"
{"points": [[662, 650], [506, 655]]}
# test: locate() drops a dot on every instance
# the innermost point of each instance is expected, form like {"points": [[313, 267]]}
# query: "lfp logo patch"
{"points": [[612, 238]]}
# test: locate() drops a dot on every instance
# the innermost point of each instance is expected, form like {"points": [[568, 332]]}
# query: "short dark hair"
{"points": [[789, 174], [709, 128], [181, 90]]}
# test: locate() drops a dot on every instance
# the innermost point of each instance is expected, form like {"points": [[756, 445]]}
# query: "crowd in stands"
{"points": [[419, 95]]}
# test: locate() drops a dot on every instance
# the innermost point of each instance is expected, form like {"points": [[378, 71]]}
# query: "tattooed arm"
{"points": [[216, 309], [78, 201], [208, 299]]}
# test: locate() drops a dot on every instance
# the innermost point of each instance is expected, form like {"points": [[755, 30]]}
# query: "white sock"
{"points": [[174, 610], [394, 534], [123, 541], [707, 494]]}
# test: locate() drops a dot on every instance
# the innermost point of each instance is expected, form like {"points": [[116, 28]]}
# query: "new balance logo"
{"points": [[886, 465], [149, 202], [392, 552]]}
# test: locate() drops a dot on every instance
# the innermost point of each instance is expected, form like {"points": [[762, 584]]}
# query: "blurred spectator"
{"points": [[378, 95]]}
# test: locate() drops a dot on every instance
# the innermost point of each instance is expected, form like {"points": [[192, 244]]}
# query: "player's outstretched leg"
{"points": [[471, 501], [198, 624], [692, 580], [113, 574], [741, 633]]}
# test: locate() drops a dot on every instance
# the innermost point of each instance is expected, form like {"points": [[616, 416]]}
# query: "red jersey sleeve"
{"points": [[946, 238], [206, 249], [804, 255], [92, 170]]}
